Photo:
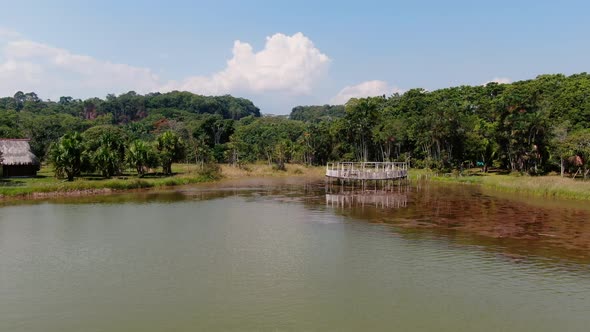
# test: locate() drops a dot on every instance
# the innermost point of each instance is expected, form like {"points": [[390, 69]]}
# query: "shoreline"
{"points": [[544, 186], [45, 187]]}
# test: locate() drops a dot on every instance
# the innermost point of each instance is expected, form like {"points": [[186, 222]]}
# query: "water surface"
{"points": [[285, 255]]}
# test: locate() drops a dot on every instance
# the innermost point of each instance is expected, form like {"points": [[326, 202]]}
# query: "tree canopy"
{"points": [[532, 126]]}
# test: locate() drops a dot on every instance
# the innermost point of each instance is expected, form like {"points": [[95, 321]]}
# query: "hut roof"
{"points": [[16, 152]]}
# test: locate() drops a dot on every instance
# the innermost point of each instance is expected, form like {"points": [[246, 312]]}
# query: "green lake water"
{"points": [[282, 255]]}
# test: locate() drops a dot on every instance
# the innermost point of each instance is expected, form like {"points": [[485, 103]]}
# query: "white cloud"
{"points": [[290, 64], [364, 89], [499, 80], [287, 64], [53, 72], [8, 34]]}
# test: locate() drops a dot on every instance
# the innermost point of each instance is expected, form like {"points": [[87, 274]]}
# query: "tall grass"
{"points": [[264, 170], [543, 186]]}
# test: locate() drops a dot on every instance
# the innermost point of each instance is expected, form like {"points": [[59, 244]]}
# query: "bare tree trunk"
{"points": [[562, 166]]}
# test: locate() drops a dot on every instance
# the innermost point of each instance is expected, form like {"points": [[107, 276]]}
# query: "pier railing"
{"points": [[367, 170]]}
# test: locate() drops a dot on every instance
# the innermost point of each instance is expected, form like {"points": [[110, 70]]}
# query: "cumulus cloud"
{"points": [[290, 64], [52, 71], [364, 89], [8, 34], [287, 64], [499, 80]]}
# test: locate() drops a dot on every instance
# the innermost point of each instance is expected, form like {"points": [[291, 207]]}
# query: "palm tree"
{"points": [[66, 156], [106, 161], [171, 148], [109, 156], [141, 156]]}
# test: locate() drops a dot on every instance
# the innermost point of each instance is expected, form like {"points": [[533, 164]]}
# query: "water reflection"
{"points": [[516, 227], [378, 199], [274, 257]]}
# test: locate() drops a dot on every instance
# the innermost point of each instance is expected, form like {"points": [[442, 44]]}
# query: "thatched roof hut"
{"points": [[17, 159]]}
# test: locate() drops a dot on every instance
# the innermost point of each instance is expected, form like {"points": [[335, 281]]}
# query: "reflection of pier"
{"points": [[378, 199]]}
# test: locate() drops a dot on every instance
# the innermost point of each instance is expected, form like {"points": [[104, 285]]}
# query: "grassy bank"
{"points": [[265, 170], [46, 184], [541, 186]]}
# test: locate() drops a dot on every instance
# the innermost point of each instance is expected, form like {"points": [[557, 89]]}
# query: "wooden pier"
{"points": [[367, 170], [376, 174]]}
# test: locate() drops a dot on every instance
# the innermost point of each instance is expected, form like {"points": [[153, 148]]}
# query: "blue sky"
{"points": [[290, 52]]}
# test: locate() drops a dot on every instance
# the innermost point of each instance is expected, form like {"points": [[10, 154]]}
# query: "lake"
{"points": [[287, 255]]}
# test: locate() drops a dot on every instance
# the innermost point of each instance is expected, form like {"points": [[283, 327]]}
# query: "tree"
{"points": [[256, 139], [320, 141], [140, 156], [109, 157], [19, 99], [480, 146], [389, 135], [361, 116], [315, 114], [282, 153], [11, 124], [170, 147], [94, 137], [525, 126], [559, 144], [46, 129], [66, 156]]}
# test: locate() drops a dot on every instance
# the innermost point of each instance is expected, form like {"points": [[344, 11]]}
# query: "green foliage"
{"points": [[99, 135], [26, 115], [533, 126], [186, 174], [108, 158], [66, 156], [106, 161], [266, 138], [317, 113], [358, 123], [141, 156], [282, 153], [171, 149]]}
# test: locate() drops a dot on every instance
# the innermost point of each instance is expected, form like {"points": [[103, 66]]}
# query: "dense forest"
{"points": [[317, 113], [534, 126], [133, 115]]}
